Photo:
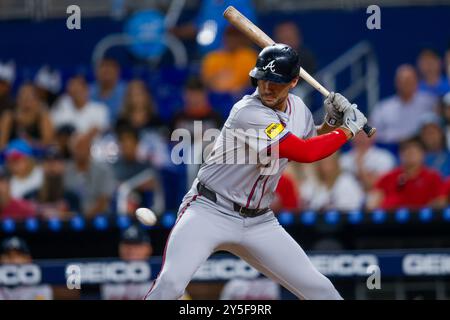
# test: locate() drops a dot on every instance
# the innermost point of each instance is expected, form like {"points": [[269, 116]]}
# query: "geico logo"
{"points": [[114, 272], [13, 275], [426, 264], [344, 264], [225, 269]]}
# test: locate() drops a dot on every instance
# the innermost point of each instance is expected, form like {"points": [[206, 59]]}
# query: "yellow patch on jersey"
{"points": [[274, 129]]}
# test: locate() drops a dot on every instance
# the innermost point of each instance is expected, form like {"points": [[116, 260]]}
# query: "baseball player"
{"points": [[227, 207]]}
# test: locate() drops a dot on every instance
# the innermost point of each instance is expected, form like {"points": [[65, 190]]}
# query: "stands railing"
{"points": [[175, 46], [128, 186], [362, 64]]}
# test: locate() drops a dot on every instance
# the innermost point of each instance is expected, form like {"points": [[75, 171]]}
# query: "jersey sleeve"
{"points": [[310, 127], [259, 128]]}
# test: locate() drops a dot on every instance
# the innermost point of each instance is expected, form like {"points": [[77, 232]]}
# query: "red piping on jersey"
{"points": [[262, 192], [251, 192], [312, 149], [167, 242]]}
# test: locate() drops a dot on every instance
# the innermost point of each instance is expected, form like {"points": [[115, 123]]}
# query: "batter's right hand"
{"points": [[354, 120], [340, 102]]}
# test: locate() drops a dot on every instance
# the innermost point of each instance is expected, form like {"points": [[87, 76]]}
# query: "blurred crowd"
{"points": [[406, 164], [80, 147]]}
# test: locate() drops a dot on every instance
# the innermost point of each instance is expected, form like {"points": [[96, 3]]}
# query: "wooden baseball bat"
{"points": [[259, 37]]}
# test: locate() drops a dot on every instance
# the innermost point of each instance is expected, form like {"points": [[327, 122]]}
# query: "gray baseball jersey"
{"points": [[250, 130], [205, 226]]}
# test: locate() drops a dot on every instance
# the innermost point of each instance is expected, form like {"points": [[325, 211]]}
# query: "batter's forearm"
{"points": [[324, 128], [313, 149]]}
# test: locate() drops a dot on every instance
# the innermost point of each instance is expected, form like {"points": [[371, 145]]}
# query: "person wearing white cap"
{"points": [[48, 84], [15, 251]]}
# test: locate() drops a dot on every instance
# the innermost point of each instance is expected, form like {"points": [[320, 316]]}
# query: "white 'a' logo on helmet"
{"points": [[270, 65]]}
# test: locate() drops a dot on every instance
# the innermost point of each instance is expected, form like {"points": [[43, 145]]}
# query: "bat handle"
{"points": [[370, 131]]}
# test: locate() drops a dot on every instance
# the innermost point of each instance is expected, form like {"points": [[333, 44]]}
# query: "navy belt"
{"points": [[243, 211]]}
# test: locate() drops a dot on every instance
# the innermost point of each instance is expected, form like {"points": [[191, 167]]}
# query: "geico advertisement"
{"points": [[431, 264], [329, 265], [117, 272], [26, 274], [344, 264]]}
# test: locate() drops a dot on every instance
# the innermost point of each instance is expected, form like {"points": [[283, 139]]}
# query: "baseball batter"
{"points": [[227, 207]]}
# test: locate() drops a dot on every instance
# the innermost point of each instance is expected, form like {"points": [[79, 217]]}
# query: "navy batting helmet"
{"points": [[277, 63]]}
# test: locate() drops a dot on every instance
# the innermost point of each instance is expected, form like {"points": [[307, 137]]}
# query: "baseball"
{"points": [[146, 216]]}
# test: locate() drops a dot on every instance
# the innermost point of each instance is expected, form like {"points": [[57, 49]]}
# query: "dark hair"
{"points": [[429, 50], [80, 77], [412, 141], [125, 129], [109, 60], [194, 83]]}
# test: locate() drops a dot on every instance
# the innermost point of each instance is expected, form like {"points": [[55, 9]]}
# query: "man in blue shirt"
{"points": [[432, 81], [108, 87]]}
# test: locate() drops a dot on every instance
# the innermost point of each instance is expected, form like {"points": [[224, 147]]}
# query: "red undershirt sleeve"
{"points": [[312, 149]]}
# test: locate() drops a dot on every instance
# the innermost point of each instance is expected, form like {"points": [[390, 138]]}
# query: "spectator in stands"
{"points": [[77, 110], [139, 110], [398, 117], [129, 166], [287, 195], [366, 162], [289, 33], [226, 70], [139, 113], [48, 84], [332, 189], [135, 245], [30, 120], [411, 185], [448, 190], [17, 209], [16, 251], [437, 156], [429, 64], [108, 88], [63, 135], [7, 77], [93, 182], [445, 111], [52, 199], [27, 174], [196, 108]]}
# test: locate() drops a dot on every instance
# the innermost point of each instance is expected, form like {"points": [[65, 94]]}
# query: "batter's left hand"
{"points": [[333, 116]]}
